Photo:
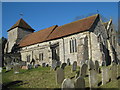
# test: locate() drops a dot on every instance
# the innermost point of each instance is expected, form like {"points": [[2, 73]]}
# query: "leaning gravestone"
{"points": [[105, 75], [59, 76], [93, 80], [67, 84], [83, 70], [80, 83], [91, 65], [113, 72], [63, 65], [16, 68], [97, 66], [74, 66]]}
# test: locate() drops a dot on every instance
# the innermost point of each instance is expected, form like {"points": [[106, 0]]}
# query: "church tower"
{"points": [[16, 33]]}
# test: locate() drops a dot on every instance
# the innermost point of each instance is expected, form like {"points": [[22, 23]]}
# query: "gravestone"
{"points": [[80, 83], [36, 66], [91, 65], [83, 70], [105, 75], [118, 70], [68, 62], [74, 66], [29, 66], [43, 64], [67, 84], [93, 80], [97, 66], [58, 63], [47, 65], [63, 65], [16, 68], [59, 76], [113, 72], [54, 64]]}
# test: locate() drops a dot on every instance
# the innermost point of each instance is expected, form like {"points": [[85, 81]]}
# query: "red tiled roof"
{"points": [[55, 32], [22, 24], [74, 27], [36, 37]]}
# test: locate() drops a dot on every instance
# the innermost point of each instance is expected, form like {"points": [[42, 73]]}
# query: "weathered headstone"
{"points": [[113, 72], [83, 70], [118, 70], [67, 84], [74, 66], [47, 65], [54, 64], [93, 80], [36, 66], [58, 63], [105, 75], [59, 75], [97, 66], [68, 62], [43, 64], [63, 65], [91, 65], [16, 68], [80, 83], [29, 66]]}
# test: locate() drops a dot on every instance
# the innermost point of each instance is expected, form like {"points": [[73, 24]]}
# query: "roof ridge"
{"points": [[82, 19]]}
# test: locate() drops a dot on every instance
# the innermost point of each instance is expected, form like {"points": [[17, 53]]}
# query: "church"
{"points": [[86, 39]]}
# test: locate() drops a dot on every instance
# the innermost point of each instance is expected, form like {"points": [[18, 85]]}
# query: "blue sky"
{"points": [[40, 15]]}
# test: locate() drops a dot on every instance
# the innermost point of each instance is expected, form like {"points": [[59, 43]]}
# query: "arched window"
{"points": [[73, 46]]}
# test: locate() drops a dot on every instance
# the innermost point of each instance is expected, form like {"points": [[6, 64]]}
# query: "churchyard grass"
{"points": [[44, 77]]}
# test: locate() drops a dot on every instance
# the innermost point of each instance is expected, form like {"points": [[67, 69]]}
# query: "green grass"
{"points": [[44, 77]]}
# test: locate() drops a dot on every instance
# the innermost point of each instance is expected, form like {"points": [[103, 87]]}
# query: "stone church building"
{"points": [[82, 40]]}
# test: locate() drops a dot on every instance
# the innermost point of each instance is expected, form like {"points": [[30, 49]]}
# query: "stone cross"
{"points": [[67, 84], [83, 70], [59, 76], [80, 83]]}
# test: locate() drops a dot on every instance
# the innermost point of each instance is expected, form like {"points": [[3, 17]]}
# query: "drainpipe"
{"points": [[63, 49]]}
